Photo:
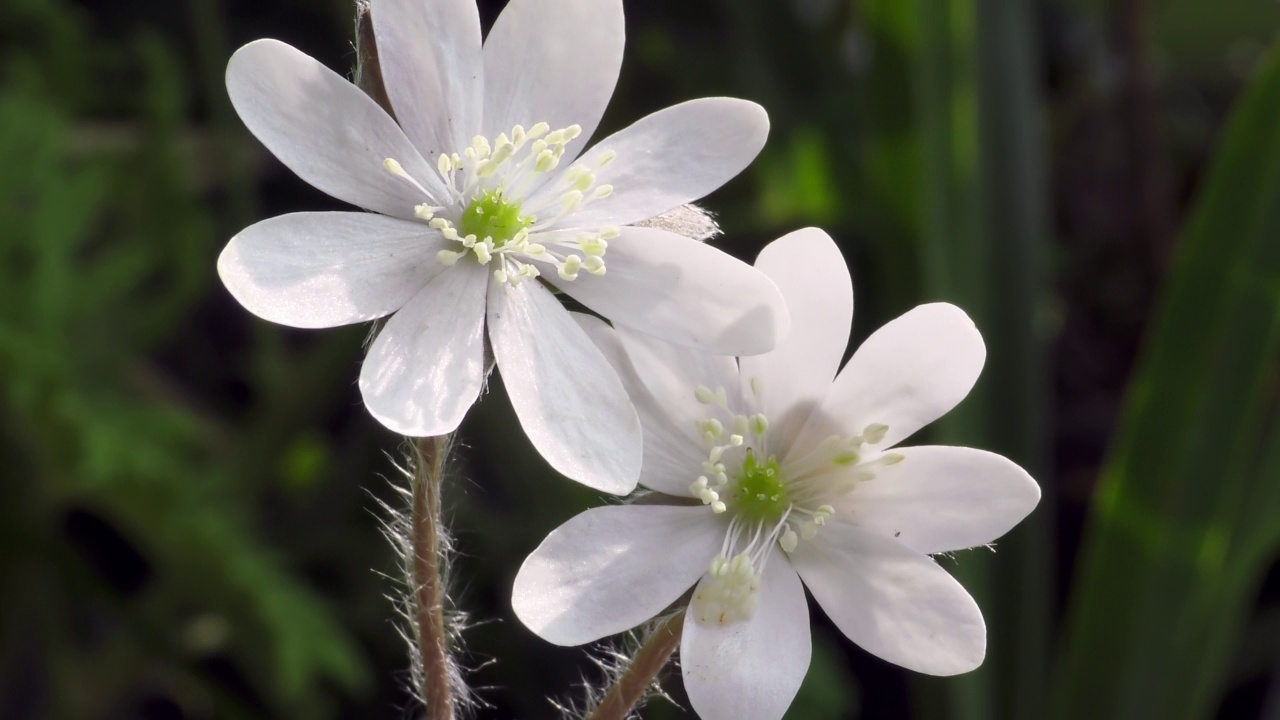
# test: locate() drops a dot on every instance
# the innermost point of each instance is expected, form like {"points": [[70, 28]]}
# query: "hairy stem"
{"points": [[429, 591], [435, 688], [649, 661]]}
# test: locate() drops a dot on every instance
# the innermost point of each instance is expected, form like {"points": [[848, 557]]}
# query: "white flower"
{"points": [[479, 194], [780, 474]]}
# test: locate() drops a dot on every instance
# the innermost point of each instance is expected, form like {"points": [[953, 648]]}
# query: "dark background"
{"points": [[189, 516]]}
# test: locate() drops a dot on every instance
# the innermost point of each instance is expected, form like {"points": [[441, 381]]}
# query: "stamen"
{"points": [[729, 593], [874, 433], [394, 167]]}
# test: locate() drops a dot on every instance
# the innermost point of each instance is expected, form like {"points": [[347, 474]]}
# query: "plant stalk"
{"points": [[649, 661], [435, 687], [429, 590]]}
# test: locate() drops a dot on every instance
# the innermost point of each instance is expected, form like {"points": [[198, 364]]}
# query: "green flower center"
{"points": [[760, 493], [491, 216]]}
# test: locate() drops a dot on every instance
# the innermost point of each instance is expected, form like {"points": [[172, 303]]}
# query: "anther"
{"points": [[569, 269], [788, 540], [874, 433], [759, 423], [703, 394], [394, 167]]}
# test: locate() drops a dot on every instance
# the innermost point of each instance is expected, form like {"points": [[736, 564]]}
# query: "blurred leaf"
{"points": [[1188, 513], [983, 231], [829, 691], [105, 250], [799, 185]]}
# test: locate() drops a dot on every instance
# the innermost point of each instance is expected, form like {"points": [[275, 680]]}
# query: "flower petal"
{"points": [[325, 129], [892, 601], [906, 375], [429, 51], [684, 292], [569, 401], [672, 450], [672, 375], [669, 158], [426, 368], [552, 61], [942, 498], [810, 272], [316, 270], [751, 669], [611, 568]]}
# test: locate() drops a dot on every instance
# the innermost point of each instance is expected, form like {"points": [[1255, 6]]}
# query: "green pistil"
{"points": [[493, 217], [760, 493]]}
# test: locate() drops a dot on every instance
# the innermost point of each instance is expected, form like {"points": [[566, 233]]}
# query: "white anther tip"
{"points": [[703, 394]]}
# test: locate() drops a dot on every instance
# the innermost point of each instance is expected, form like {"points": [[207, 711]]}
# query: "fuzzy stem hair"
{"points": [[436, 686], [422, 540], [636, 682]]}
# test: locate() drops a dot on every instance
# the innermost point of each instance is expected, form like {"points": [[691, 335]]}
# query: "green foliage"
{"points": [[105, 248], [1187, 518]]}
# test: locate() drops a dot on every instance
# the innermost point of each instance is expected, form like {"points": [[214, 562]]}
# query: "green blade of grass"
{"points": [[984, 233], [1186, 518]]}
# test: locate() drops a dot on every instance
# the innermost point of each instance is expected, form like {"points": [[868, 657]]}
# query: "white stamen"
{"points": [[874, 433], [729, 593], [703, 394]]}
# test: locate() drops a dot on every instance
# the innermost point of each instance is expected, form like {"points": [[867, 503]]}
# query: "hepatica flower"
{"points": [[481, 203], [770, 474]]}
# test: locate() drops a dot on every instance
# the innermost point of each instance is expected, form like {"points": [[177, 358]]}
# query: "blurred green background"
{"points": [[189, 519]]}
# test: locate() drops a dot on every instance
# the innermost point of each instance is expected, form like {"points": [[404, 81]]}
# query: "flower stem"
{"points": [[429, 592], [649, 661], [435, 688], [368, 74]]}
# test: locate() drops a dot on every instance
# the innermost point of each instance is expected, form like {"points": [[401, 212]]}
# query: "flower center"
{"points": [[770, 503], [492, 217], [761, 493], [502, 215]]}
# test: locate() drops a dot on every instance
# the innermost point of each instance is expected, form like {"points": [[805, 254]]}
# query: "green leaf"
{"points": [[1188, 512]]}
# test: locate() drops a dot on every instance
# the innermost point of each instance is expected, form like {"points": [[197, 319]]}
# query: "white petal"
{"points": [[325, 129], [570, 402], [426, 368], [810, 272], [552, 61], [611, 568], [669, 158], [429, 51], [315, 270], [672, 375], [750, 670], [673, 452], [942, 498], [892, 601], [906, 375], [684, 292]]}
